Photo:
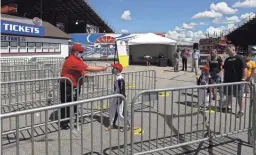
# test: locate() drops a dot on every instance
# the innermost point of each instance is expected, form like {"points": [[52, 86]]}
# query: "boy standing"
{"points": [[204, 93], [117, 106]]}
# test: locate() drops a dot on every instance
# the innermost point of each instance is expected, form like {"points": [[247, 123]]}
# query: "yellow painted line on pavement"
{"points": [[164, 94]]}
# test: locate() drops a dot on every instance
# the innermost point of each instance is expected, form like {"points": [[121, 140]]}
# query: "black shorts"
{"points": [[215, 79], [237, 91]]}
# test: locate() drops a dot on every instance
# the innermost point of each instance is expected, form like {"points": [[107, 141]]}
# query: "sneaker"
{"points": [[229, 108], [111, 127], [204, 108], [240, 114], [128, 129], [64, 126]]}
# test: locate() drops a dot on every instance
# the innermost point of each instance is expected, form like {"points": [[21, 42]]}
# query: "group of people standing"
{"points": [[184, 55], [235, 68]]}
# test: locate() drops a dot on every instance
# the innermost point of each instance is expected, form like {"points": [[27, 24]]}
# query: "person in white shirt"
{"points": [[148, 58], [195, 58]]}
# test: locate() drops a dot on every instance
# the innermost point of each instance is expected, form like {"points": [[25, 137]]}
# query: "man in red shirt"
{"points": [[73, 68]]}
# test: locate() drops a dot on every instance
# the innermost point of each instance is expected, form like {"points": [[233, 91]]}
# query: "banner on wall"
{"points": [[99, 45], [9, 27]]}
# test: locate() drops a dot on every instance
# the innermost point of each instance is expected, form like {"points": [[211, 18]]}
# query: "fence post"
{"points": [[254, 120]]}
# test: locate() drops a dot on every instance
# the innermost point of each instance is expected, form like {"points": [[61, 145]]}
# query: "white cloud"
{"points": [[232, 19], [216, 20], [222, 7], [126, 15], [226, 20], [207, 14], [185, 37], [213, 31], [188, 26], [173, 35], [230, 26], [245, 4], [178, 29], [247, 16], [203, 23], [124, 31]]}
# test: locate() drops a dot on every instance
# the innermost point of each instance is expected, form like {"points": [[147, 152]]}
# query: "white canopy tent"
{"points": [[152, 45], [151, 38]]}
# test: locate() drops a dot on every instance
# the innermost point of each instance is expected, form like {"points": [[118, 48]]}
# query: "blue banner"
{"points": [[21, 29]]}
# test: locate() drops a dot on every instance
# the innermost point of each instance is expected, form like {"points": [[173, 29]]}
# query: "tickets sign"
{"points": [[9, 27]]}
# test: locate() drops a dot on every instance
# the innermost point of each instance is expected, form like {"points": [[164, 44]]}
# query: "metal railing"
{"points": [[18, 75], [78, 142], [253, 132], [29, 94], [103, 84], [182, 118], [19, 67]]}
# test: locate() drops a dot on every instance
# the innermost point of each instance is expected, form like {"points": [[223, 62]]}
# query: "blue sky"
{"points": [[165, 15]]}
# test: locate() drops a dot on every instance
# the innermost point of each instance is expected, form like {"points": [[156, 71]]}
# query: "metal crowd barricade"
{"points": [[13, 61], [88, 137], [178, 120], [254, 122], [29, 94], [26, 74], [38, 59], [56, 68], [19, 67], [103, 84]]}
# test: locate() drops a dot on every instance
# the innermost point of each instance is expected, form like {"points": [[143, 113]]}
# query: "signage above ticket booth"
{"points": [[9, 27]]}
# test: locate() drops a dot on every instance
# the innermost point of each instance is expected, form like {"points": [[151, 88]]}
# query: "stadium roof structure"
{"points": [[53, 11], [244, 35]]}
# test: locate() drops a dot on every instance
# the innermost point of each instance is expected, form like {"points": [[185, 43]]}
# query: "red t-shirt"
{"points": [[73, 68]]}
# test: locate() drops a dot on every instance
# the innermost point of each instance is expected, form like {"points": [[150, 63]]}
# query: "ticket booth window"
{"points": [[51, 47], [4, 47], [45, 47], [23, 47], [39, 47], [57, 48], [14, 47], [31, 47]]}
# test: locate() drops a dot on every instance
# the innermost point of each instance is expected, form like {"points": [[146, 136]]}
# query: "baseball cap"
{"points": [[77, 47], [205, 67], [117, 66]]}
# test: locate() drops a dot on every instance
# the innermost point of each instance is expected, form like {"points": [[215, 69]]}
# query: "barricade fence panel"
{"points": [[19, 67], [26, 74], [86, 136], [188, 115], [38, 59], [103, 84], [28, 94], [31, 94], [254, 123], [10, 62]]}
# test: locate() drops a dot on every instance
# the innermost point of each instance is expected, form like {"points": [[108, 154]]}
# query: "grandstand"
{"points": [[72, 16], [244, 35]]}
